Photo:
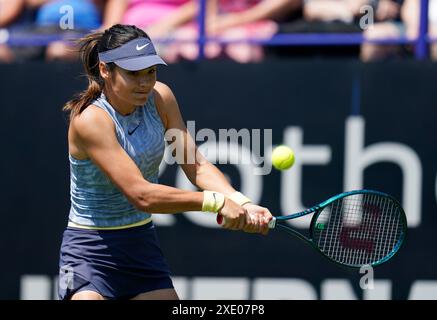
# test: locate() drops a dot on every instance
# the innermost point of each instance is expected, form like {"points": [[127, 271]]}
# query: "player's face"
{"points": [[133, 87]]}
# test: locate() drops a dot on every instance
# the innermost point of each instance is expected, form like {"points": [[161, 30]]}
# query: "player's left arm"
{"points": [[197, 168]]}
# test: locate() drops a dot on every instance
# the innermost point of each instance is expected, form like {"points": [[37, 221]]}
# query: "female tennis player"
{"points": [[116, 143]]}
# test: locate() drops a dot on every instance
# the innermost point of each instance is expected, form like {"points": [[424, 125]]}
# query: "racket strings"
{"points": [[359, 229]]}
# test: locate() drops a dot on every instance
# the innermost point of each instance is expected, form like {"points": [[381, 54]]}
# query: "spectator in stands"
{"points": [[323, 16], [237, 19], [329, 16], [87, 15], [407, 27], [160, 19], [411, 18], [10, 11], [433, 26], [383, 29], [345, 11]]}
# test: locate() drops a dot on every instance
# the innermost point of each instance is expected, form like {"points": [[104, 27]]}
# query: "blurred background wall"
{"points": [[333, 113]]}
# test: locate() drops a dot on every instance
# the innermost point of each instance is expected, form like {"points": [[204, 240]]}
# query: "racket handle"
{"points": [[221, 221]]}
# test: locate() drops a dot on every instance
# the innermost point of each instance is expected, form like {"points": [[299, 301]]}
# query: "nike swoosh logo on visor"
{"points": [[142, 47]]}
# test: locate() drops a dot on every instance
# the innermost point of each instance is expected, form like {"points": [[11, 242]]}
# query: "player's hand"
{"points": [[235, 216], [258, 219]]}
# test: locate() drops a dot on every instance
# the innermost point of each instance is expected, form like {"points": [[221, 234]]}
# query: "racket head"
{"points": [[360, 227]]}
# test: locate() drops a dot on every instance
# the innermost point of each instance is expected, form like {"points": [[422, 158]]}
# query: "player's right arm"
{"points": [[93, 133]]}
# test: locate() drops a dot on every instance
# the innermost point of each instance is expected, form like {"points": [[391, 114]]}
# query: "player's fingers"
{"points": [[250, 226], [267, 216], [230, 224], [242, 221], [265, 230], [253, 223], [261, 226], [248, 219], [261, 222]]}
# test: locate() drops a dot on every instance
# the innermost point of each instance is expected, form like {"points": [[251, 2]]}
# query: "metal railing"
{"points": [[293, 39], [329, 39]]}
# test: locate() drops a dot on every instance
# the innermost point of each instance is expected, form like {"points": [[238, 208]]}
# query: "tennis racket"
{"points": [[353, 229]]}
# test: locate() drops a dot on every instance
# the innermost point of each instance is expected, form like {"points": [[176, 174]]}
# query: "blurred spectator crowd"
{"points": [[225, 20]]}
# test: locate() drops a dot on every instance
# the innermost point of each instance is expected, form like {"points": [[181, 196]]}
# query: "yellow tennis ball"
{"points": [[282, 158]]}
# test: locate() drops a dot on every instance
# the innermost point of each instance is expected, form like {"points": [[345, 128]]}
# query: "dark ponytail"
{"points": [[89, 48], [89, 56]]}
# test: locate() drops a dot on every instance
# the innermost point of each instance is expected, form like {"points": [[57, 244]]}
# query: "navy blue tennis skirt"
{"points": [[118, 264]]}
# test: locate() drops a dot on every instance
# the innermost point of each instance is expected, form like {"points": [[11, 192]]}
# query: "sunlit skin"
{"points": [[127, 90]]}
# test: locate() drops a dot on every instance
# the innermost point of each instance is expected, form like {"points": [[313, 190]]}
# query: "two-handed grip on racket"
{"points": [[221, 221]]}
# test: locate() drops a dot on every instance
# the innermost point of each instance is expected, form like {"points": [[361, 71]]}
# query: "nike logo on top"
{"points": [[142, 47], [133, 130]]}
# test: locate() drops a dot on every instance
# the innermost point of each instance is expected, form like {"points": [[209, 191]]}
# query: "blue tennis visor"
{"points": [[135, 55]]}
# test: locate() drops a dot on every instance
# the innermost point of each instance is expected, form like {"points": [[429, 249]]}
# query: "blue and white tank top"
{"points": [[95, 200]]}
